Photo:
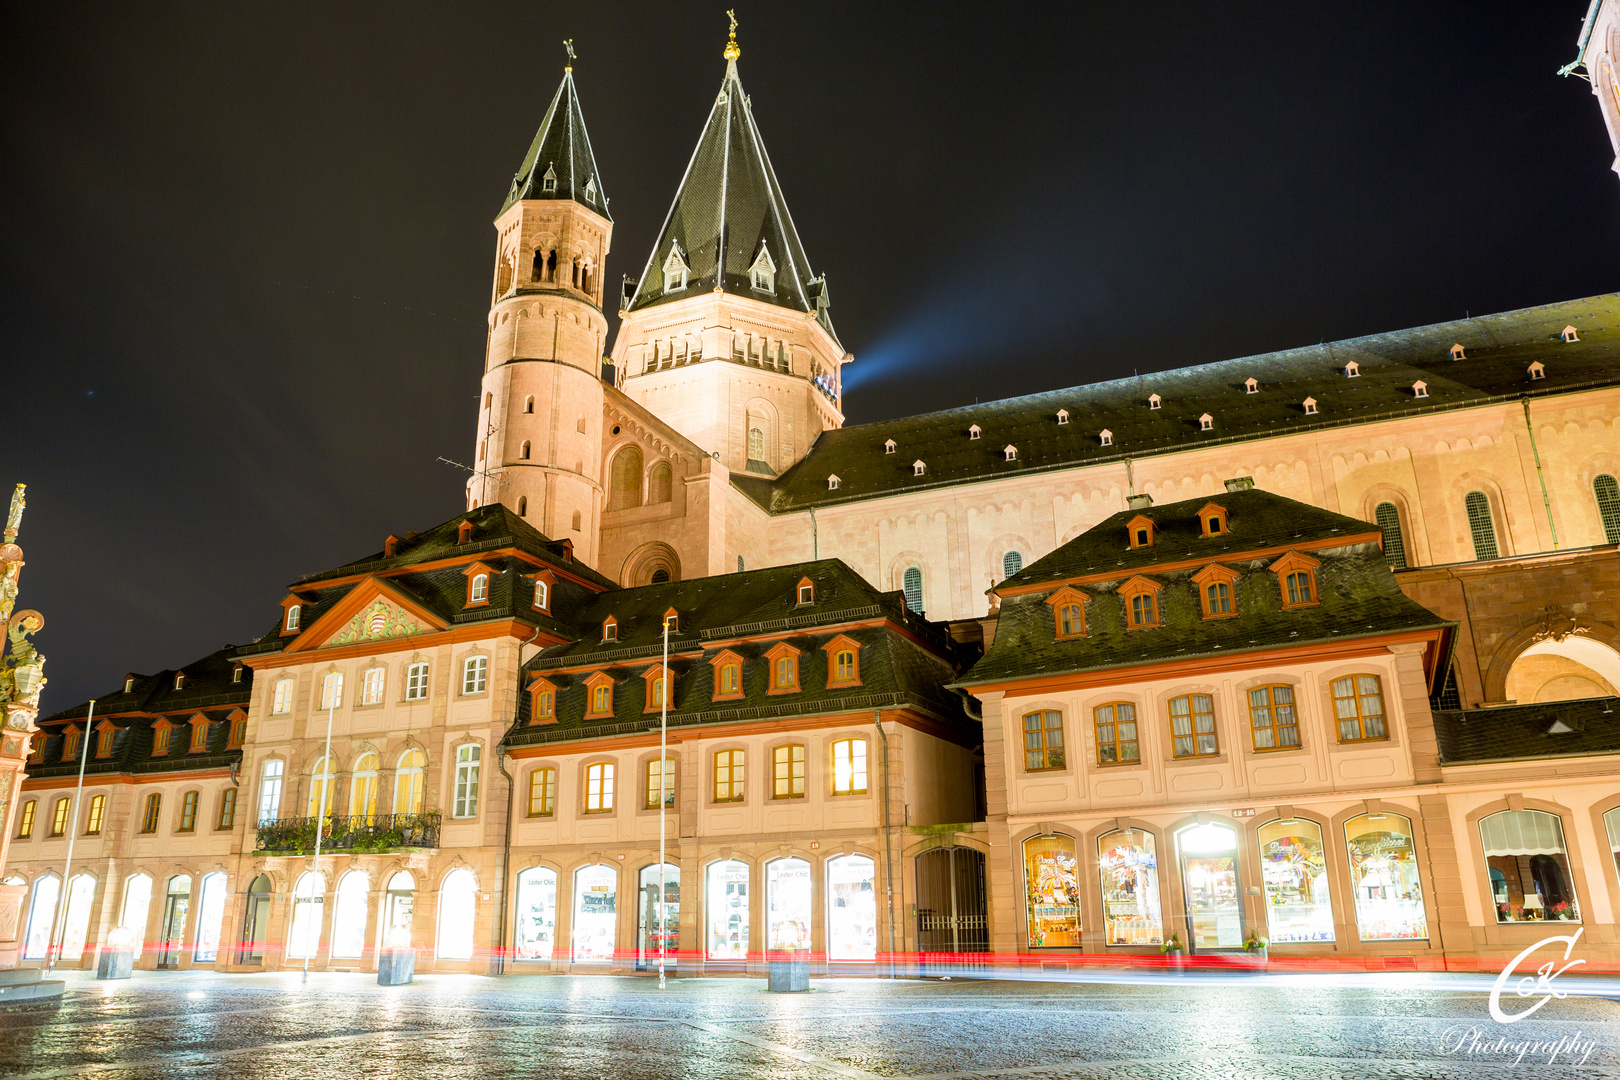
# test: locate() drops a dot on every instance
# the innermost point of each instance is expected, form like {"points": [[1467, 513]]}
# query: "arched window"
{"points": [[309, 897], [1607, 491], [624, 480], [137, 904], [1298, 904], [756, 446], [912, 584], [528, 404], [1128, 866], [41, 917], [322, 802], [728, 910], [536, 913], [1052, 888], [658, 484], [1384, 878], [596, 893], [466, 804], [789, 898], [408, 780], [1389, 522], [332, 690], [523, 506], [1529, 867], [851, 908], [363, 789], [1011, 563], [523, 451], [270, 790], [575, 522], [281, 699], [659, 576], [458, 904], [349, 916], [1480, 526]]}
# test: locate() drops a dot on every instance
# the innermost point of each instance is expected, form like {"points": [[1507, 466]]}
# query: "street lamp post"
{"points": [[326, 787], [663, 799], [60, 936]]}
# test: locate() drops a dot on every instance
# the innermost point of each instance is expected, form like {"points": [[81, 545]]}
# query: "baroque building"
{"points": [[1320, 645]]}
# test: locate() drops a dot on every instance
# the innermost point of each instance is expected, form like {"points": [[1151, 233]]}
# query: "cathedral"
{"points": [[1318, 649]]}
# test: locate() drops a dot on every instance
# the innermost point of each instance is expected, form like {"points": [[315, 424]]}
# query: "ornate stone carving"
{"points": [[380, 619], [1557, 623]]}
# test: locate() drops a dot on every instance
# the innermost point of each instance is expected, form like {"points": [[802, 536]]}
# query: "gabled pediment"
{"points": [[373, 611]]}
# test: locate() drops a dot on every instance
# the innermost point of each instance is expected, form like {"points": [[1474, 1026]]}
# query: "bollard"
{"points": [[396, 967], [789, 972], [115, 964]]}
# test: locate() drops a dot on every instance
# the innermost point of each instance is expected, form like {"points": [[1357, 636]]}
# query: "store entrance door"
{"points": [[1213, 891], [951, 910], [174, 922]]}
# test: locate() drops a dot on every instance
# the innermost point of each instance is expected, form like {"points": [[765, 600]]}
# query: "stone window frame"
{"points": [[185, 819], [610, 787], [454, 763], [804, 762], [1045, 750], [463, 667], [736, 790], [536, 775], [648, 803], [832, 742], [1296, 689], [360, 701]]}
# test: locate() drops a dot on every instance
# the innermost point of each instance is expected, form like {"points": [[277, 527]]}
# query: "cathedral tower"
{"points": [[727, 337], [540, 406]]}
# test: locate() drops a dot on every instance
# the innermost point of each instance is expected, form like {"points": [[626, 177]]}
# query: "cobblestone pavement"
{"points": [[202, 1024]]}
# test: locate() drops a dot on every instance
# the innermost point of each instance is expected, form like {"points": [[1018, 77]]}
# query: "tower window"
{"points": [[911, 583], [523, 506], [1012, 563], [1607, 491], [523, 451], [1480, 526], [1389, 523], [528, 404], [675, 270], [762, 275], [548, 182], [590, 191]]}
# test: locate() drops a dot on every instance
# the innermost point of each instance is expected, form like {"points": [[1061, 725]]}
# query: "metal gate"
{"points": [[951, 908]]}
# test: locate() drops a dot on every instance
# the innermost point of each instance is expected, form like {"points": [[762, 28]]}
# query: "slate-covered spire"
{"points": [[729, 202], [559, 164]]}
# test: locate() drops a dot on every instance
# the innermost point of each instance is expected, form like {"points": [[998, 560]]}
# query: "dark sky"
{"points": [[247, 248]]}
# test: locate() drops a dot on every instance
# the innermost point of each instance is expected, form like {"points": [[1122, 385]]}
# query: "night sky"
{"points": [[247, 249]]}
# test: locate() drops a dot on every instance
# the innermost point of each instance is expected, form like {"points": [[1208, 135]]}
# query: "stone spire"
{"points": [[560, 164], [729, 228]]}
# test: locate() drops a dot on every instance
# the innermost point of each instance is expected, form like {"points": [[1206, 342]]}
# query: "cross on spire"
{"points": [[733, 50], [568, 44]]}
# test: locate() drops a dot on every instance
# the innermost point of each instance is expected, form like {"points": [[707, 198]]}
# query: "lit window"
{"points": [[1272, 719], [332, 690], [371, 686], [660, 782], [238, 730], [25, 826], [1384, 878], [188, 812], [543, 793], [199, 736], [179, 680], [728, 776], [610, 629], [655, 692], [416, 682], [543, 702], [236, 673], [474, 674], [762, 275], [787, 772], [98, 808], [466, 804], [59, 817], [478, 593], [363, 789], [1116, 733], [1218, 598], [844, 665], [1298, 906], [1192, 725], [154, 806], [542, 594], [1043, 740], [1128, 866], [270, 790], [408, 782], [322, 802], [785, 670], [281, 699], [227, 809], [1528, 865], [1358, 705], [599, 788], [849, 767], [1052, 890], [728, 676], [129, 684], [601, 696], [294, 612]]}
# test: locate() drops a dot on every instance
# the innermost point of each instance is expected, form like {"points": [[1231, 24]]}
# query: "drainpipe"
{"points": [[888, 846], [1536, 454], [506, 862], [815, 538]]}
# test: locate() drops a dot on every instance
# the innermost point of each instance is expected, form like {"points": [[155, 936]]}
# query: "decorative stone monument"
{"points": [[22, 676]]}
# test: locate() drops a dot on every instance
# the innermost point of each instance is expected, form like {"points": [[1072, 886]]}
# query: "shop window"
{"points": [[98, 810], [1192, 725], [536, 922], [1212, 885], [1358, 705], [543, 793], [154, 807], [787, 771], [467, 763], [1272, 720], [41, 917], [659, 923], [270, 791], [851, 908], [1052, 887], [348, 916], [596, 890], [416, 682], [1043, 740], [728, 910], [849, 767], [599, 788], [728, 776], [458, 904], [1128, 867], [1116, 733], [210, 918], [660, 783], [1384, 878], [281, 699], [1481, 527], [789, 900], [188, 812], [1298, 905], [1528, 863], [409, 779]]}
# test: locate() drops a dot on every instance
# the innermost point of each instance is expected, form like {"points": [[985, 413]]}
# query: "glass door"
{"points": [[655, 915], [174, 922], [1209, 881]]}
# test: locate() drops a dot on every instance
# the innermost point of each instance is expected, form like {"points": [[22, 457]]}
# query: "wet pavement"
{"points": [[203, 1024]]}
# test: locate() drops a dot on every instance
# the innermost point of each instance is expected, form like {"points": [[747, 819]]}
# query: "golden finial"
{"points": [[733, 50], [569, 45]]}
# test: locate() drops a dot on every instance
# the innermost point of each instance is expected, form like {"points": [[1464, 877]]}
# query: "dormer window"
{"points": [[610, 629], [918, 468], [294, 613], [478, 592], [672, 620], [464, 532], [675, 270], [1420, 389], [1212, 520], [974, 432], [179, 680], [1068, 613], [1206, 423], [548, 182], [1296, 574], [1063, 416], [762, 274], [1352, 370], [1106, 437], [807, 591], [1251, 386], [1217, 591], [129, 684], [1141, 599], [1010, 451], [590, 191], [1457, 352], [542, 594], [1154, 401], [1569, 334], [1310, 406], [888, 446], [236, 673], [1537, 370], [1140, 531], [390, 546], [832, 483]]}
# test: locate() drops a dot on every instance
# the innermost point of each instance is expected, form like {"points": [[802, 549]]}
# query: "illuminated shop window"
{"points": [[349, 916], [1129, 869], [536, 914], [1384, 878], [660, 923], [851, 908], [727, 926], [458, 903], [596, 894], [1052, 887], [788, 902], [1529, 868], [1298, 907]]}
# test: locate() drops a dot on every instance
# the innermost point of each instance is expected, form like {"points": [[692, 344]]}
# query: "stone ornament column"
{"points": [[22, 676]]}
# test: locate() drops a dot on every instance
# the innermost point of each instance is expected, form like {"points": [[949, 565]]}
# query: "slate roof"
{"points": [[1524, 732], [208, 688], [1357, 593], [729, 201], [562, 146], [897, 668], [1498, 352]]}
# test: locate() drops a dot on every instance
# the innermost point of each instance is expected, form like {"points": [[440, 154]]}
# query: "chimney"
{"points": [[1240, 483], [390, 546], [1139, 502]]}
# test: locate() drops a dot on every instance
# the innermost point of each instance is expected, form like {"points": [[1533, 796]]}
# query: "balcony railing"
{"points": [[371, 832]]}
